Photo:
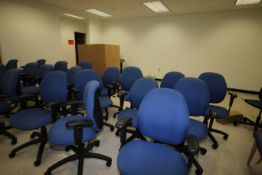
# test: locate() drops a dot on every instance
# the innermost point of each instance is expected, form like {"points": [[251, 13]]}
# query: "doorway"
{"points": [[80, 38]]}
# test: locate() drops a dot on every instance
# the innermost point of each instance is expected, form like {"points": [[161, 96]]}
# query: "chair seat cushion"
{"points": [[258, 137], [32, 118], [30, 90], [104, 92], [142, 158], [4, 107], [59, 135], [198, 129], [129, 113], [105, 102], [222, 113]]}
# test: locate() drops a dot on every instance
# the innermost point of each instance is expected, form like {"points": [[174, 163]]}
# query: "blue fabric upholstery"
{"points": [[216, 84], [170, 79], [71, 73], [222, 113], [30, 68], [11, 64], [129, 113], [144, 158], [59, 135], [2, 71], [128, 76], [44, 69], [32, 118], [196, 94], [85, 64], [163, 115], [110, 75], [56, 91], [60, 66], [198, 129], [139, 90], [9, 83], [105, 101], [40, 62]]}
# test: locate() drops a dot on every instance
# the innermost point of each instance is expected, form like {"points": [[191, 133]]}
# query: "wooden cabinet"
{"points": [[100, 55]]}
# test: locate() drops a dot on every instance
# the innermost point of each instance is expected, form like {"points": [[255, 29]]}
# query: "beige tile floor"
{"points": [[229, 159]]}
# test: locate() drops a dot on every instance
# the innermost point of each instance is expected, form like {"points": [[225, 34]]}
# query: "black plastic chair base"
{"points": [[246, 121], [42, 139], [10, 136], [109, 125], [80, 154]]}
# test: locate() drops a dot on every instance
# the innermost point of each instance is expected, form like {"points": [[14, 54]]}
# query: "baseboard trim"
{"points": [[243, 91]]}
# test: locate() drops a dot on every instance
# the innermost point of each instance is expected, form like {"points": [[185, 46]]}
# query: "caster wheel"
{"points": [[13, 142], [32, 136], [112, 129], [203, 151], [235, 123], [108, 163], [12, 155], [225, 137], [198, 172], [37, 162], [117, 133], [67, 149], [214, 146]]}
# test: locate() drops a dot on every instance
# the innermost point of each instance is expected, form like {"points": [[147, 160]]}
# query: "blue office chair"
{"points": [[85, 64], [76, 130], [9, 84], [128, 117], [161, 121], [2, 72], [70, 80], [81, 79], [217, 91], [28, 72], [170, 79], [60, 66], [110, 80], [257, 145], [41, 62], [127, 77], [54, 95], [11, 64]]}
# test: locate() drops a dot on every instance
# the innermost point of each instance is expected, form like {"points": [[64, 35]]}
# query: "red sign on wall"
{"points": [[70, 42]]}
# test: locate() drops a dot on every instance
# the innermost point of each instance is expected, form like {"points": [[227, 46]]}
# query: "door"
{"points": [[80, 38]]}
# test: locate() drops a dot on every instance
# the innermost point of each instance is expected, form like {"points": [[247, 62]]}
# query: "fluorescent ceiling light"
{"points": [[97, 12], [156, 6], [245, 2], [73, 16]]}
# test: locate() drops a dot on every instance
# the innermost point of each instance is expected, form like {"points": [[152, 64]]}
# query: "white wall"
{"points": [[30, 30], [227, 42], [95, 31]]}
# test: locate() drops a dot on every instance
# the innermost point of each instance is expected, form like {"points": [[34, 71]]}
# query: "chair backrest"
{"points": [[163, 116], [170, 79], [82, 77], [128, 76], [2, 71], [196, 93], [71, 73], [85, 64], [31, 68], [10, 82], [41, 62], [60, 66], [11, 64], [216, 84], [53, 87], [110, 75], [92, 104], [139, 90], [44, 69]]}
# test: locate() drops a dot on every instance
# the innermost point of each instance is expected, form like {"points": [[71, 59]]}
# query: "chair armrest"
{"points": [[109, 86], [23, 98], [193, 144], [123, 123], [55, 109], [81, 123], [213, 114], [77, 126], [232, 98], [122, 93]]}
